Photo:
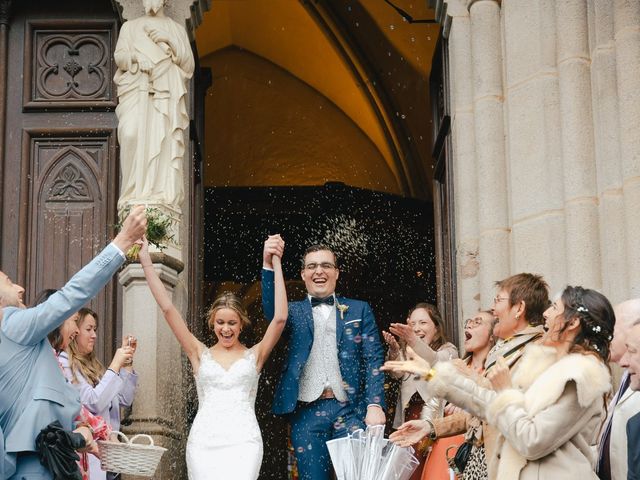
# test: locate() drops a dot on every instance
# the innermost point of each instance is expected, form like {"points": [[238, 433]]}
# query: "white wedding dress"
{"points": [[225, 441]]}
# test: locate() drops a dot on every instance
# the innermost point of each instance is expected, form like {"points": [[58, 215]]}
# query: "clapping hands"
{"points": [[499, 375], [414, 364], [394, 346], [404, 332]]}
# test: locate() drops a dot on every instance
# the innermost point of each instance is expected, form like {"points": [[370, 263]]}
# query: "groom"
{"points": [[331, 381]]}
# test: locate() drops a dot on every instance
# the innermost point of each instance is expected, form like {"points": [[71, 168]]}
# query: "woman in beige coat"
{"points": [[549, 409]]}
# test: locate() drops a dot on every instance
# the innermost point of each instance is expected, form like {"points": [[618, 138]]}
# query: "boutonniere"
{"points": [[343, 308]]}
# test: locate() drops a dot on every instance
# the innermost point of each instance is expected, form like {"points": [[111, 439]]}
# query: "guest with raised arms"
{"points": [[331, 383], [518, 307], [457, 426], [549, 409], [225, 440]]}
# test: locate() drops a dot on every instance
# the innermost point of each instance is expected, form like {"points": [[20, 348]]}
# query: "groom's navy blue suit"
{"points": [[360, 355]]}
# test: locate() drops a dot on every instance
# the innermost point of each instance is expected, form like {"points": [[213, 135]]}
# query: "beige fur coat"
{"points": [[546, 422]]}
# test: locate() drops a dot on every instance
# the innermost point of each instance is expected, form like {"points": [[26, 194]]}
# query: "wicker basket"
{"points": [[129, 457]]}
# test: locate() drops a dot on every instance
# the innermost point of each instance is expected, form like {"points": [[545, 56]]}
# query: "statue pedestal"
{"points": [[159, 408]]}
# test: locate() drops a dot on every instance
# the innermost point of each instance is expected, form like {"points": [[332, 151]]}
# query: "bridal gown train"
{"points": [[225, 441]]}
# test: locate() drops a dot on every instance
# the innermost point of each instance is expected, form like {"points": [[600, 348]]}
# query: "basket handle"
{"points": [[142, 435], [119, 434]]}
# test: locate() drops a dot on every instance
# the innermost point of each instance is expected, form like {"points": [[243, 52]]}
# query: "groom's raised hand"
{"points": [[273, 245]]}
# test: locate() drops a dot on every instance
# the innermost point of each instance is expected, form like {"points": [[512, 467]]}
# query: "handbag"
{"points": [[57, 451], [458, 462]]}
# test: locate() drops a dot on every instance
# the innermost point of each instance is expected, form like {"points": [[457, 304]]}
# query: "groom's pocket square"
{"points": [[353, 321]]}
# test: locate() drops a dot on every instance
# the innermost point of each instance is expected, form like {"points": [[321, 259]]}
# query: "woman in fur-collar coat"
{"points": [[550, 408]]}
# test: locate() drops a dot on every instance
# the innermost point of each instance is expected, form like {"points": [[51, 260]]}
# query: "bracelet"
{"points": [[432, 435], [429, 375]]}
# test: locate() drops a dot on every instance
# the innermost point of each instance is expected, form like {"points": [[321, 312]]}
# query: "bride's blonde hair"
{"points": [[231, 301], [85, 364]]}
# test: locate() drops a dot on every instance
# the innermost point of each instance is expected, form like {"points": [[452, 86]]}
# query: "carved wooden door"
{"points": [[60, 165]]}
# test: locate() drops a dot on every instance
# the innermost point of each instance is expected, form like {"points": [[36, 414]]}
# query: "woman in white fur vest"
{"points": [[550, 408]]}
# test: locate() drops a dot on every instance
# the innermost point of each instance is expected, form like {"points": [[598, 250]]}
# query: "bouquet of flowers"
{"points": [[367, 455], [158, 230]]}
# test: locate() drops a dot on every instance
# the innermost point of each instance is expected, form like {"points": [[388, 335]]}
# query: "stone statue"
{"points": [[155, 61]]}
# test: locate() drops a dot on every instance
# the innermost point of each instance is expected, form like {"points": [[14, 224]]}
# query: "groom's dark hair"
{"points": [[318, 247]]}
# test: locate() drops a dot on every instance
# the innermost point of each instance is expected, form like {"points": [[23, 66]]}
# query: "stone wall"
{"points": [[546, 115]]}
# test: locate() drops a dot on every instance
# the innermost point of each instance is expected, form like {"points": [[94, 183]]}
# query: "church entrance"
{"points": [[317, 125], [384, 244]]}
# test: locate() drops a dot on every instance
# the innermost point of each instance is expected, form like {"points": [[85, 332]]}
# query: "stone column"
{"points": [[464, 169], [534, 139], [627, 45], [607, 152], [493, 211], [158, 407], [580, 196]]}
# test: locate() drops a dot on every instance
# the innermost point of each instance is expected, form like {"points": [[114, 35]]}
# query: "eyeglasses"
{"points": [[472, 322], [499, 299], [324, 266]]}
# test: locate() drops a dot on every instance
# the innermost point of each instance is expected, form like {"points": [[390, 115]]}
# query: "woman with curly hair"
{"points": [[549, 408]]}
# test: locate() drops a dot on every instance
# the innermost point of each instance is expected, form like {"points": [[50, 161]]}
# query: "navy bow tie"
{"points": [[315, 301]]}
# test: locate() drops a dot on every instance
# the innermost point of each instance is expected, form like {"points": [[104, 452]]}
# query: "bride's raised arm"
{"points": [[277, 324], [190, 344]]}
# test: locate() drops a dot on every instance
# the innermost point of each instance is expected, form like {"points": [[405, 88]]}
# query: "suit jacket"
{"points": [[360, 352], [633, 446], [628, 405], [33, 390]]}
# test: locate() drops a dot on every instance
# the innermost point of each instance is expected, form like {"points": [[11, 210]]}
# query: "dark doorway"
{"points": [[386, 255]]}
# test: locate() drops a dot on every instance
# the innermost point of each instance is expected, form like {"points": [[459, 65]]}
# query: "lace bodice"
{"points": [[218, 386], [226, 400]]}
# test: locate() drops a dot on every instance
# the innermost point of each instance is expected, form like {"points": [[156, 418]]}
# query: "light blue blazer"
{"points": [[33, 390]]}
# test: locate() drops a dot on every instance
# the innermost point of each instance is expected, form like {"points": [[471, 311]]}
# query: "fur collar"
{"points": [[543, 376]]}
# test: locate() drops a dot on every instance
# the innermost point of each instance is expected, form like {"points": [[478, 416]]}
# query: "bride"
{"points": [[225, 440]]}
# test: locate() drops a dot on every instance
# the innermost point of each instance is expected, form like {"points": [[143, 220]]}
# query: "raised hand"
{"points": [[499, 375], [273, 245], [123, 356], [133, 228], [410, 432], [405, 332], [414, 364]]}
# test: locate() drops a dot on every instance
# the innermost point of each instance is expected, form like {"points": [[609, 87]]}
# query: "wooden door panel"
{"points": [[60, 175], [68, 214], [69, 64]]}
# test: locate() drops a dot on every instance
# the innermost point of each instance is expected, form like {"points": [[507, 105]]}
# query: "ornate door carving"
{"points": [[60, 165]]}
